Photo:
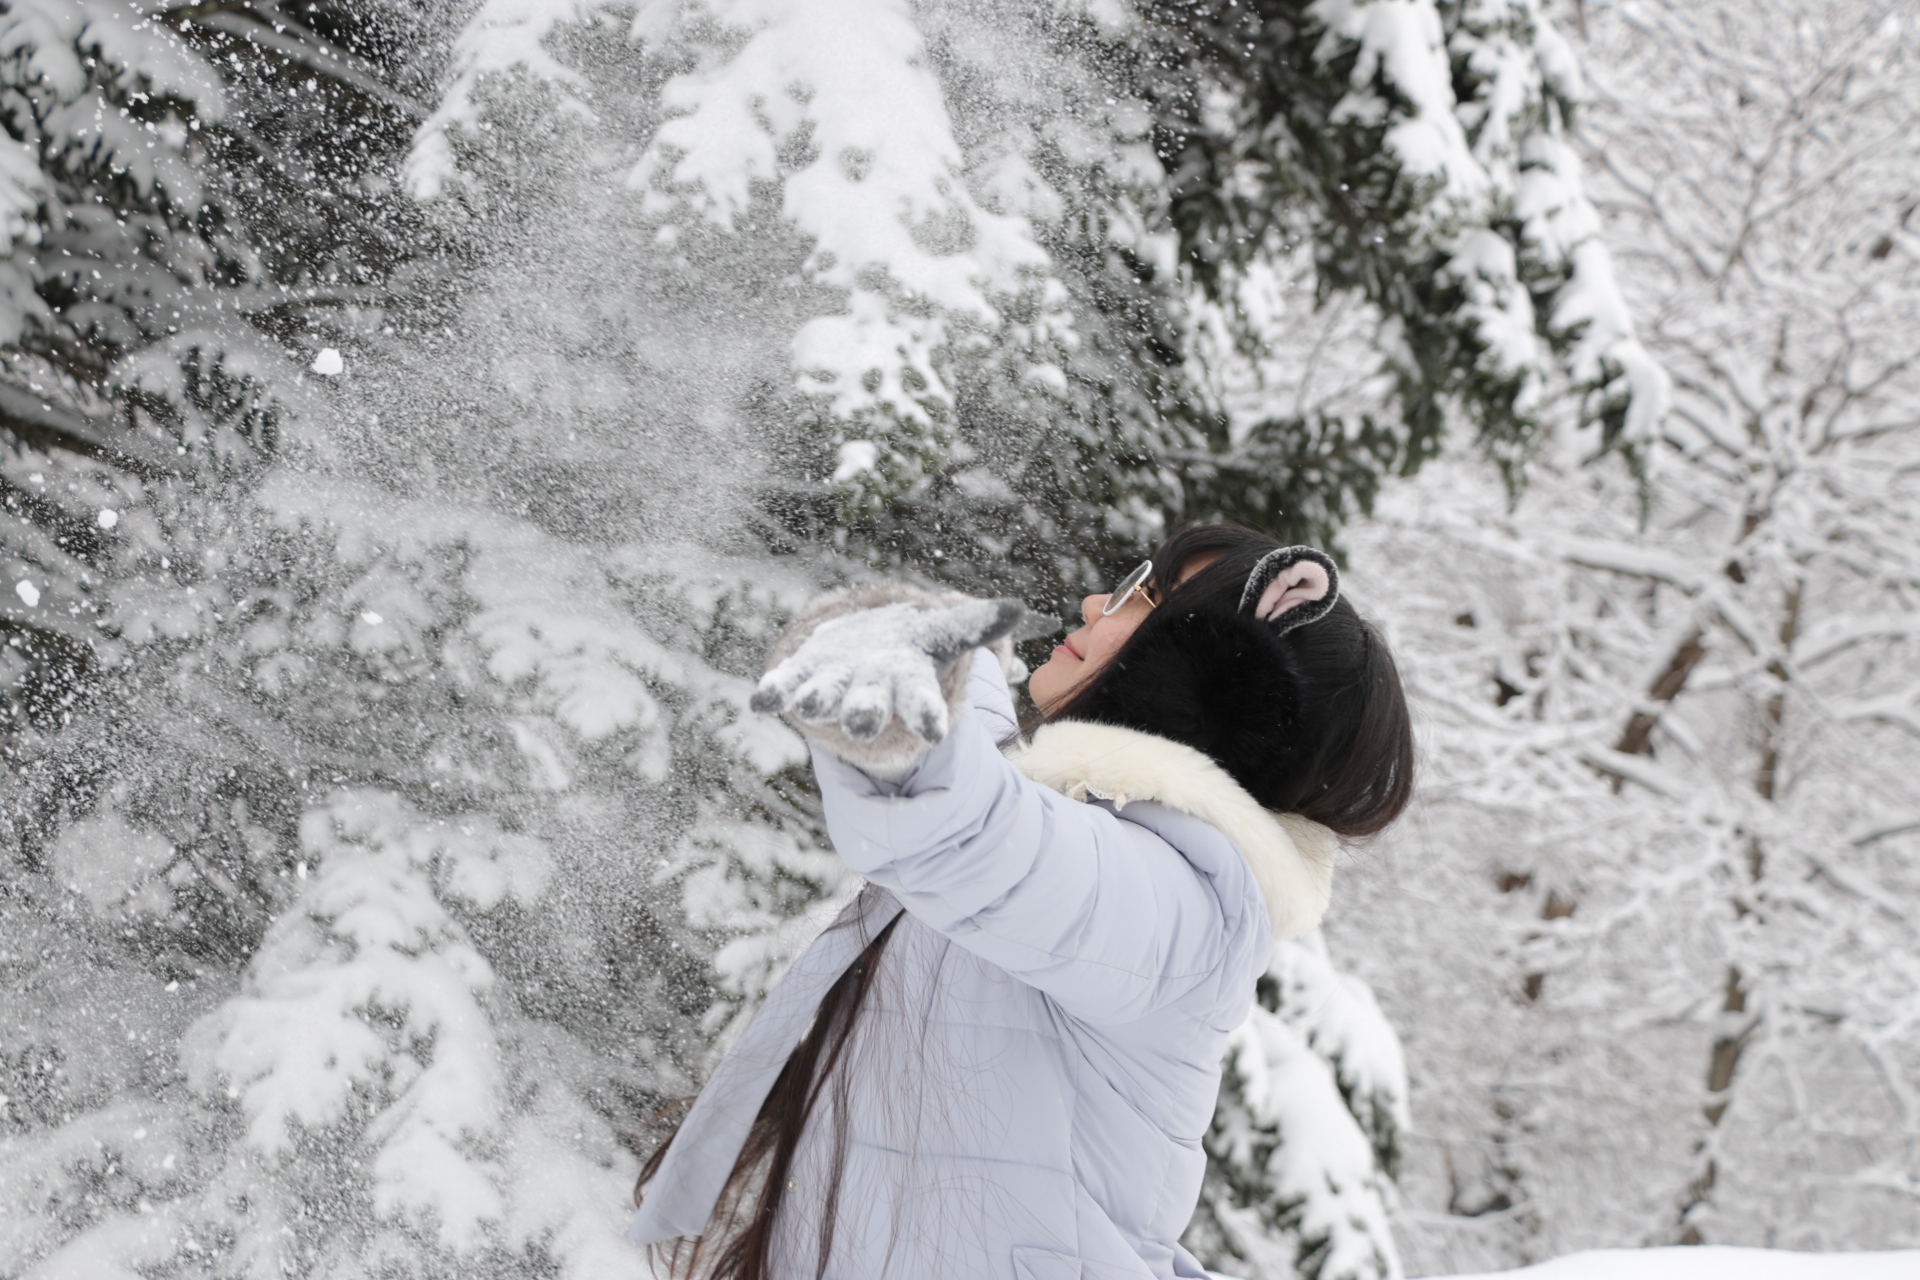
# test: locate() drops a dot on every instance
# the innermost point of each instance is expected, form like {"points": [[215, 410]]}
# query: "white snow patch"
{"points": [[543, 762], [856, 457], [1407, 40], [328, 363], [1484, 263], [501, 35], [885, 198], [1715, 1262], [27, 592], [299, 1049], [371, 618]]}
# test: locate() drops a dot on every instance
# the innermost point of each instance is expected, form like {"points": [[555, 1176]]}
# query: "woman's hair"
{"points": [[738, 1243], [1312, 721]]}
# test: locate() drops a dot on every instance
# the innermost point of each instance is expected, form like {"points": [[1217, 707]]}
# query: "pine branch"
{"points": [[266, 27], [45, 425], [69, 641]]}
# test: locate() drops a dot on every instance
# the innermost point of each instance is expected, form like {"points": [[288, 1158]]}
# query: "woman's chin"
{"points": [[1047, 683]]}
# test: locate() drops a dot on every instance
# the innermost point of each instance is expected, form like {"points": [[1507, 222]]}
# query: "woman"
{"points": [[1000, 1061]]}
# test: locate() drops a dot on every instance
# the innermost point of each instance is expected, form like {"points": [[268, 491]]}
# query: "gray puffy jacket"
{"points": [[1039, 1056]]}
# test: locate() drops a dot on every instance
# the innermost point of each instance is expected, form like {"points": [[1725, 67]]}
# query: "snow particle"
{"points": [[27, 592], [109, 517], [371, 618], [328, 363]]}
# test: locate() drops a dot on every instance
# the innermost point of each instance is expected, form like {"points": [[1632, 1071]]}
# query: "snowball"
{"points": [[109, 517], [328, 363], [28, 592]]}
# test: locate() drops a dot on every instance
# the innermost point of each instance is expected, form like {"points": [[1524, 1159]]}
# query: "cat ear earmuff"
{"points": [[1291, 587]]}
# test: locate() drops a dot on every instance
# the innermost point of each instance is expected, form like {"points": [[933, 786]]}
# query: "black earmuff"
{"points": [[1291, 587]]}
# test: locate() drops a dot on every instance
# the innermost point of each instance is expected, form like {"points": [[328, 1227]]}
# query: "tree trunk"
{"points": [[1723, 1061], [1637, 738]]}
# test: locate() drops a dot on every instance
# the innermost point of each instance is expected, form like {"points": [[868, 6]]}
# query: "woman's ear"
{"points": [[1291, 587]]}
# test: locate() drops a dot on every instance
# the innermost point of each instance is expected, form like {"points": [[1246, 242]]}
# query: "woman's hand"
{"points": [[865, 669]]}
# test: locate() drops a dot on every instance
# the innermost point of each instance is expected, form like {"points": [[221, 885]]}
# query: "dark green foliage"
{"points": [[1265, 150]]}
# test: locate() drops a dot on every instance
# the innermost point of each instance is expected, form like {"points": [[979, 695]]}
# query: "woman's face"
{"points": [[1084, 652]]}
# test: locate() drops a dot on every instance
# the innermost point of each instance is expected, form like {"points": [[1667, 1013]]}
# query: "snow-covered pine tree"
{"points": [[1414, 161], [1306, 1141], [414, 799], [969, 418], [181, 222], [357, 843]]}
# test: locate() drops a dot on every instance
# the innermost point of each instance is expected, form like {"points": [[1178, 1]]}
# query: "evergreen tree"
{"points": [[998, 377], [405, 497], [356, 837], [1414, 158], [1306, 1141]]}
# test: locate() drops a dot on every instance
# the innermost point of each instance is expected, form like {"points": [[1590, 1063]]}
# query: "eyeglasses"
{"points": [[1135, 581]]}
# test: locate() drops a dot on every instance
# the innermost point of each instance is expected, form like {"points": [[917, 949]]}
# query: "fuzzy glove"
{"points": [[876, 674]]}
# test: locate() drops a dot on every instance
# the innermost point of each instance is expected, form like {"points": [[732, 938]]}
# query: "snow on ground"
{"points": [[1718, 1263]]}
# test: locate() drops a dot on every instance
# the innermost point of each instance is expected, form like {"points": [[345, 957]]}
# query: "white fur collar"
{"points": [[1291, 857]]}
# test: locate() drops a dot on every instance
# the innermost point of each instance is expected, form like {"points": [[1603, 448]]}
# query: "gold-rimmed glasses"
{"points": [[1135, 581]]}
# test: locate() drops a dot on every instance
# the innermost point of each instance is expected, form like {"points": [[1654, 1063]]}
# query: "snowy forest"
{"points": [[420, 415]]}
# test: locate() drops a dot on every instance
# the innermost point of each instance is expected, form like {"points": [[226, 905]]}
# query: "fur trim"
{"points": [[897, 746], [1291, 857]]}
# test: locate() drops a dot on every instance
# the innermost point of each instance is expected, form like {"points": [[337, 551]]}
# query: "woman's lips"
{"points": [[1069, 650]]}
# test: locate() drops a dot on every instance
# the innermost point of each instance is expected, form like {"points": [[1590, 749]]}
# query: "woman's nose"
{"points": [[1090, 607]]}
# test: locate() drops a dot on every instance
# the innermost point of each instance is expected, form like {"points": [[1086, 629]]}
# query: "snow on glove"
{"points": [[875, 674]]}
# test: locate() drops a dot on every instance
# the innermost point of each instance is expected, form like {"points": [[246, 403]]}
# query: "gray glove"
{"points": [[866, 669]]}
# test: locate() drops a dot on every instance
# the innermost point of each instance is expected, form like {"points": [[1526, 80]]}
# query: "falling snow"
{"points": [[388, 837]]}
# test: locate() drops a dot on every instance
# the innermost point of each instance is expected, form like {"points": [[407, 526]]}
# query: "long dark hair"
{"points": [[1312, 722], [739, 1237]]}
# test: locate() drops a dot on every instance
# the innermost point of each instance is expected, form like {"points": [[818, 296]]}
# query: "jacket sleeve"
{"points": [[991, 697], [1100, 913]]}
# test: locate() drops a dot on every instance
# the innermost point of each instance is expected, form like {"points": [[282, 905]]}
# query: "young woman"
{"points": [[1000, 1060]]}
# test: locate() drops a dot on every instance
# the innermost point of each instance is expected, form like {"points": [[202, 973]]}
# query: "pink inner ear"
{"points": [[1298, 583]]}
